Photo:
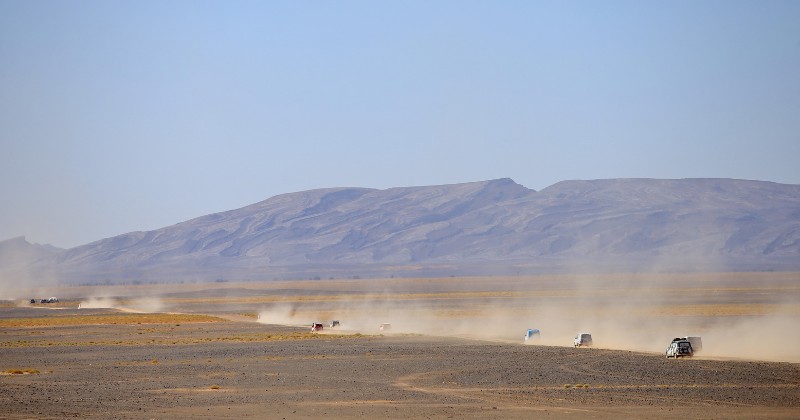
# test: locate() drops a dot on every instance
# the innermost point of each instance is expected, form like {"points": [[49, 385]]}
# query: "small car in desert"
{"points": [[582, 340], [385, 327], [679, 347], [316, 327], [532, 333], [334, 324]]}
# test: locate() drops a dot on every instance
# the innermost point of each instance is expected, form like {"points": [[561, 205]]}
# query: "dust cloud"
{"points": [[765, 337], [145, 304], [736, 317], [282, 314], [140, 304], [773, 337], [98, 302]]}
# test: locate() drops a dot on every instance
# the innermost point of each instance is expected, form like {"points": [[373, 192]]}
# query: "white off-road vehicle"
{"points": [[679, 347], [582, 340]]}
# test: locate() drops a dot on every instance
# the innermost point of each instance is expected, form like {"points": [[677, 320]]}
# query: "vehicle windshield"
{"points": [[684, 344]]}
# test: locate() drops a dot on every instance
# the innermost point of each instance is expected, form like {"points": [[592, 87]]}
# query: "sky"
{"points": [[135, 115]]}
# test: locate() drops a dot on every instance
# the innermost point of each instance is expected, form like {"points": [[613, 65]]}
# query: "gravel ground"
{"points": [[245, 369]]}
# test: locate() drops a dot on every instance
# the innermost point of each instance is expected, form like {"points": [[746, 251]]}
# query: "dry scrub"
{"points": [[111, 319], [21, 371], [173, 341]]}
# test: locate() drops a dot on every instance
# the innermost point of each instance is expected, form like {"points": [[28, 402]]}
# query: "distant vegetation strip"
{"points": [[495, 294], [732, 309], [111, 319], [172, 341], [267, 297]]}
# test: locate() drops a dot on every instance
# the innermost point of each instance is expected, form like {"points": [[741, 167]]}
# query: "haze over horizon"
{"points": [[118, 117]]}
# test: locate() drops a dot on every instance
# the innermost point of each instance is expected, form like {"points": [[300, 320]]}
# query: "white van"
{"points": [[583, 340]]}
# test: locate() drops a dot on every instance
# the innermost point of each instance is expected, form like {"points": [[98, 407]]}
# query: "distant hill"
{"points": [[489, 227], [22, 262], [18, 252]]}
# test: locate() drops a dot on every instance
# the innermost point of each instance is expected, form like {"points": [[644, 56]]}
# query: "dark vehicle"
{"points": [[316, 327], [33, 301], [679, 347], [582, 339]]}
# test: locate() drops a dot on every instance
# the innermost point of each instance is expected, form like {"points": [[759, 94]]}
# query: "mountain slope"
{"points": [[18, 252], [492, 227]]}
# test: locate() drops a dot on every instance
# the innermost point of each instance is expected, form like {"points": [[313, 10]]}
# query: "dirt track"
{"points": [[265, 371]]}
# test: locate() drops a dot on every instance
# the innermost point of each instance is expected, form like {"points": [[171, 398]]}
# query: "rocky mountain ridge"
{"points": [[488, 227]]}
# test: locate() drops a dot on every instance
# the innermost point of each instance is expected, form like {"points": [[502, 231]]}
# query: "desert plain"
{"points": [[454, 348]]}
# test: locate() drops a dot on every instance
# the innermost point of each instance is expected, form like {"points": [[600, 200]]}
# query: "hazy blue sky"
{"points": [[120, 116]]}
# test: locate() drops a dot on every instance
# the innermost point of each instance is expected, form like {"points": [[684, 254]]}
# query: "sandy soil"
{"points": [[94, 362]]}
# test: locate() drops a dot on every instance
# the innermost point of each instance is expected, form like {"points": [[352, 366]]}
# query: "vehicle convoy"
{"points": [[679, 347], [582, 340], [49, 300], [532, 333], [316, 327]]}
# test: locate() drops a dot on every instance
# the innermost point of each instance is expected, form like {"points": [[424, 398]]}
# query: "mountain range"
{"points": [[495, 227]]}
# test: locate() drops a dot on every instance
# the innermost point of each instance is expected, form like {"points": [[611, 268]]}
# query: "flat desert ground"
{"points": [[455, 348]]}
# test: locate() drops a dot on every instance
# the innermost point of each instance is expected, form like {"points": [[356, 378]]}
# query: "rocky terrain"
{"points": [[244, 369], [455, 348]]}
